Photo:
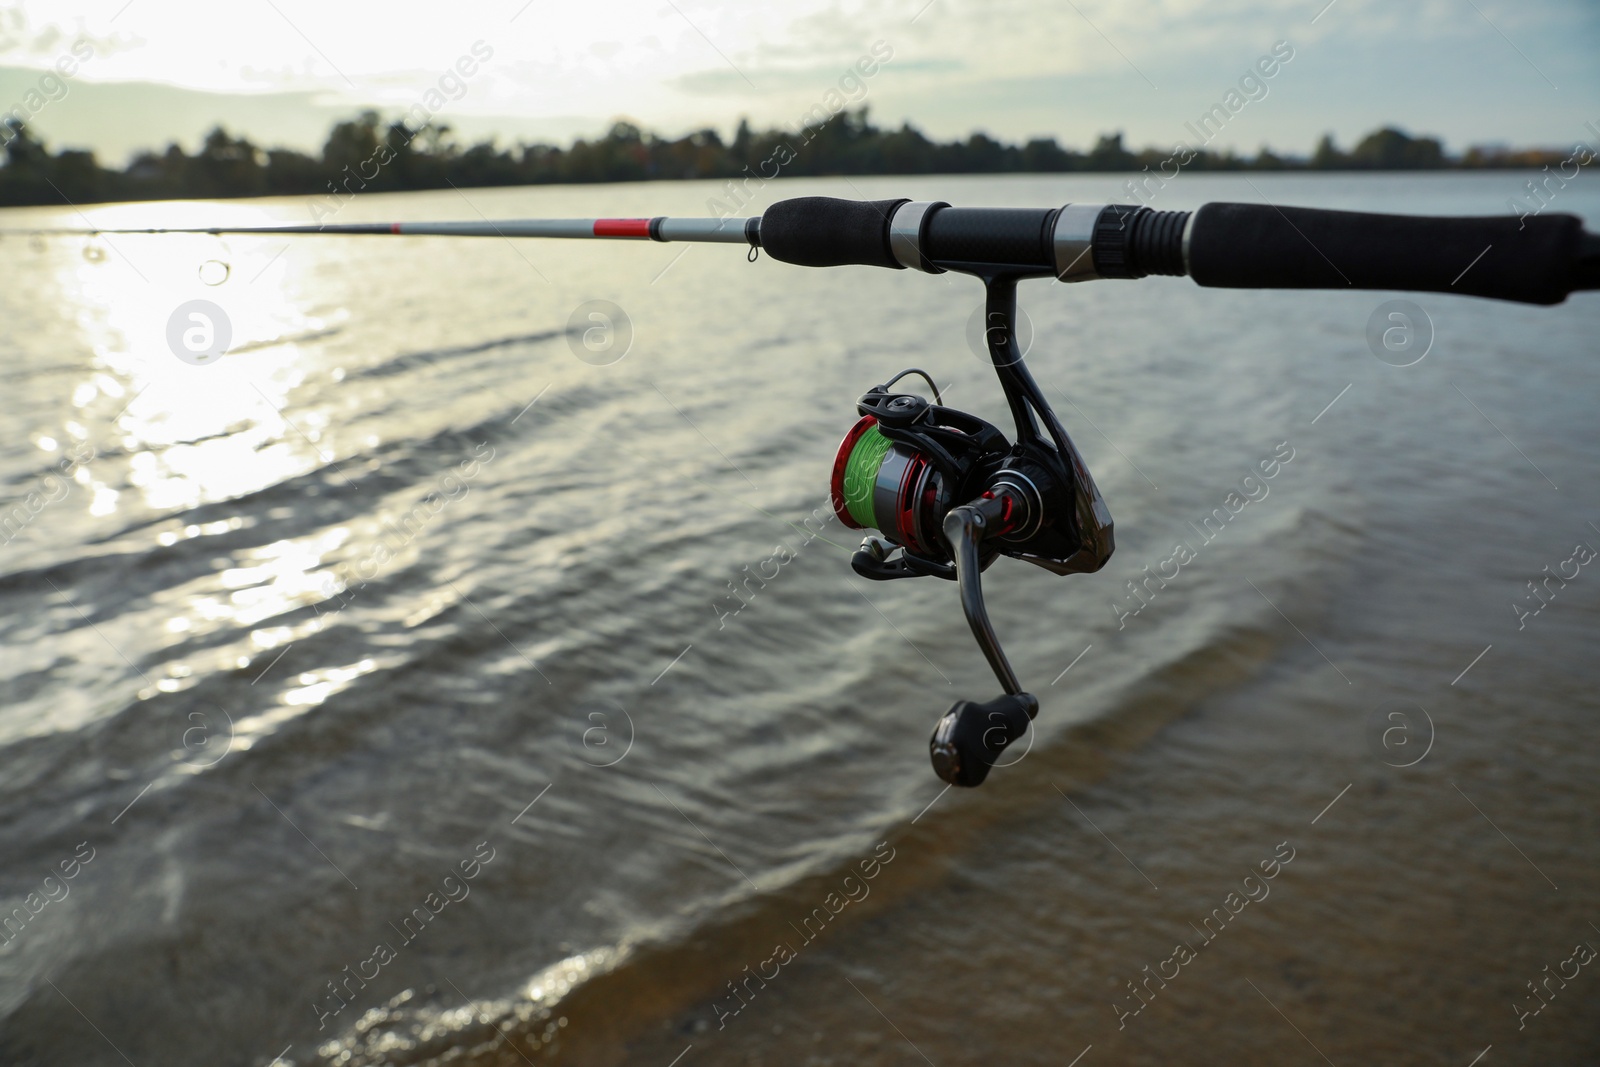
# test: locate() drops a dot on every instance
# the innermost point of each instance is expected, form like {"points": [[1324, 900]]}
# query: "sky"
{"points": [[1519, 72]]}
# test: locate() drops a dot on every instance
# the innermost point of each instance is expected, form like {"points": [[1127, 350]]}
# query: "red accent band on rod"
{"points": [[394, 227], [622, 228]]}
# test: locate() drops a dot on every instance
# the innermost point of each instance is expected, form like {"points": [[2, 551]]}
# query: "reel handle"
{"points": [[970, 738], [992, 515]]}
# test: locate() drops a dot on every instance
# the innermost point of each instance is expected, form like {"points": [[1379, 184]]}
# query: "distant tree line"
{"points": [[369, 154]]}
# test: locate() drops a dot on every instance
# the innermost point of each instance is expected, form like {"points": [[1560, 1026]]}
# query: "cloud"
{"points": [[812, 80]]}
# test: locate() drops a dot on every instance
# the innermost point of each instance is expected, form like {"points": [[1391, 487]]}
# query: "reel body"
{"points": [[948, 493]]}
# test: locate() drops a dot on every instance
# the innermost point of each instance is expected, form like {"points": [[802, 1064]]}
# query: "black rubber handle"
{"points": [[821, 231], [971, 737], [1256, 246]]}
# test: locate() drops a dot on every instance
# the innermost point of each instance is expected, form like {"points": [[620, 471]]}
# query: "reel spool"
{"points": [[901, 468], [947, 494]]}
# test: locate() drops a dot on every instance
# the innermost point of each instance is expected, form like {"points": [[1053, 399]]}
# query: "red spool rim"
{"points": [[906, 501], [840, 459]]}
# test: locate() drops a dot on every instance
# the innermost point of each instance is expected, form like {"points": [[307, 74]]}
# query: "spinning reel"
{"points": [[949, 494]]}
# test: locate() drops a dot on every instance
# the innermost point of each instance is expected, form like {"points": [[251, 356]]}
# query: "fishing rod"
{"points": [[947, 492]]}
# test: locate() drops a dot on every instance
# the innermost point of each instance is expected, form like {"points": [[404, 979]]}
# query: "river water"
{"points": [[383, 686]]}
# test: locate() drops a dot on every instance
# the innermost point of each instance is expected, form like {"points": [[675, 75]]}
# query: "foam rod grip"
{"points": [[821, 231], [1256, 246]]}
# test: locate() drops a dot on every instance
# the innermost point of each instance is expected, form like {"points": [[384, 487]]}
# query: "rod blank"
{"points": [[660, 228]]}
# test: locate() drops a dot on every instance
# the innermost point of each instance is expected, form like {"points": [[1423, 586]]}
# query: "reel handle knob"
{"points": [[970, 738]]}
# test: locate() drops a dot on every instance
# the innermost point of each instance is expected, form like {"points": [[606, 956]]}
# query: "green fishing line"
{"points": [[860, 471]]}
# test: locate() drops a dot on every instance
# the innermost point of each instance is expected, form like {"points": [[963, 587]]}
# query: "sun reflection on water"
{"points": [[192, 434]]}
